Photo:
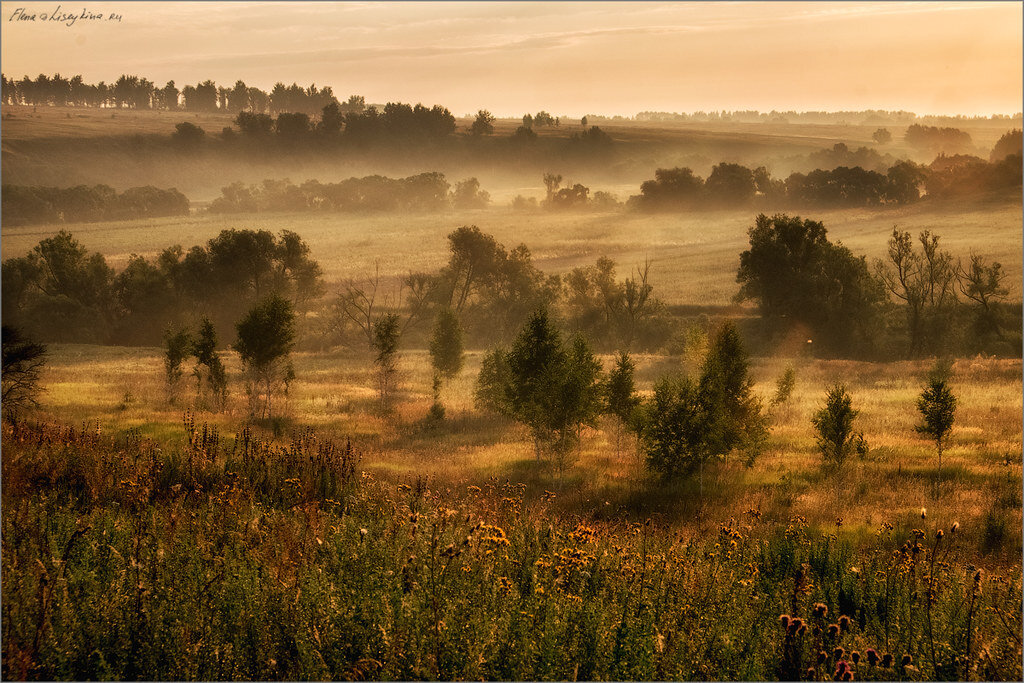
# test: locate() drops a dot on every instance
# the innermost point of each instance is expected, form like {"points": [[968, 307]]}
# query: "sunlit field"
{"points": [[694, 256]]}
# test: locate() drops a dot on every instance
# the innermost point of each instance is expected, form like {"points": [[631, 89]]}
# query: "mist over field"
{"points": [[345, 381]]}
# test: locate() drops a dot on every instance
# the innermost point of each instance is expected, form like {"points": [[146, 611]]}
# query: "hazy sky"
{"points": [[568, 58]]}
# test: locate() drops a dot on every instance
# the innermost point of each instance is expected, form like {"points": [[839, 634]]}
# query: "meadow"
{"points": [[148, 536], [693, 256]]}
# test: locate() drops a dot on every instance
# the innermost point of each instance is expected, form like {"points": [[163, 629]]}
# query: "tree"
{"points": [[621, 399], [798, 277], [178, 348], [386, 335], [882, 136], [483, 124], [834, 425], [204, 348], [730, 184], [446, 354], [552, 389], [265, 339], [937, 406], [925, 283], [491, 383], [23, 361], [688, 424], [468, 195], [583, 121], [1008, 145], [982, 284], [187, 135]]}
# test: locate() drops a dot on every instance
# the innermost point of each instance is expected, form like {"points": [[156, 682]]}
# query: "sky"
{"points": [[569, 58]]}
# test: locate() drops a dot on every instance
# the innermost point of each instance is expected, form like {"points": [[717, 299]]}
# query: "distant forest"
{"points": [[136, 92]]}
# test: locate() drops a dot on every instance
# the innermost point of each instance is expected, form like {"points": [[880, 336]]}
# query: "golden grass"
{"points": [[694, 256], [334, 395]]}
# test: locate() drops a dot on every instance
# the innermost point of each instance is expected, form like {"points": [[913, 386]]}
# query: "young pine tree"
{"points": [[208, 363], [834, 426], [620, 395], [178, 348], [937, 406]]}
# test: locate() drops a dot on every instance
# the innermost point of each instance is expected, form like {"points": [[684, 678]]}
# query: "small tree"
{"points": [[576, 399], [620, 394], [265, 339], [483, 124], [834, 426], [882, 136], [386, 335], [446, 354], [534, 362], [937, 406], [178, 350], [204, 348], [784, 386], [23, 360], [492, 382]]}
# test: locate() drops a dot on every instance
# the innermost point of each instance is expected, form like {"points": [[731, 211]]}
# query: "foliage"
{"points": [[32, 205], [797, 276], [925, 282], [553, 389], [1010, 144], [882, 136], [689, 423], [23, 360], [483, 124], [204, 348], [265, 338], [386, 336], [177, 349], [834, 425], [446, 351], [784, 386], [937, 406]]}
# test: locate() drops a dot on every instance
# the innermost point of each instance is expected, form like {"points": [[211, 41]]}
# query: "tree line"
{"points": [[422, 192], [135, 92], [29, 205], [904, 182], [60, 292]]}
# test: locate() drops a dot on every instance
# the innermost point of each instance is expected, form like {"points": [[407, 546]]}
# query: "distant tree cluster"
{"points": [[932, 139], [30, 205], [867, 117], [902, 183], [804, 284], [423, 192], [134, 92], [61, 293]]}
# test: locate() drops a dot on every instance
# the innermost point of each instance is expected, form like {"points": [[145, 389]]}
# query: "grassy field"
{"points": [[139, 546], [146, 536], [694, 256], [124, 389]]}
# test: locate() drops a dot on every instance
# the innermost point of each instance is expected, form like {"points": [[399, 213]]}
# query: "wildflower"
{"points": [[784, 620], [839, 653], [924, 513], [953, 529], [938, 535], [844, 623], [886, 660], [855, 656], [833, 630], [906, 661], [871, 655], [362, 534], [841, 667], [820, 610]]}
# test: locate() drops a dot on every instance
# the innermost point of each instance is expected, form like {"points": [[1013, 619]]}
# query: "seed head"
{"points": [[871, 655], [784, 621], [833, 630], [820, 610], [847, 675], [839, 653], [822, 656], [855, 656], [938, 534], [906, 660], [841, 666], [953, 529], [924, 513], [844, 623], [886, 660]]}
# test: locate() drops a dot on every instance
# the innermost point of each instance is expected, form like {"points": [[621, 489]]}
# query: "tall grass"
{"points": [[236, 558]]}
